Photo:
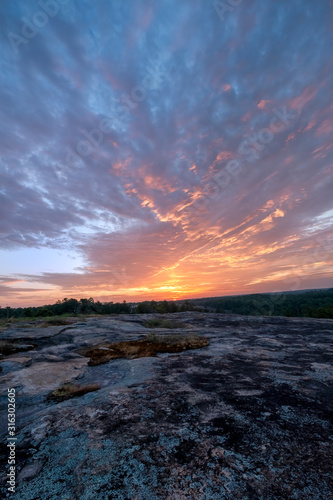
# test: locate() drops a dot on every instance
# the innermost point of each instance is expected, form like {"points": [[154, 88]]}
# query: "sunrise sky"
{"points": [[163, 149]]}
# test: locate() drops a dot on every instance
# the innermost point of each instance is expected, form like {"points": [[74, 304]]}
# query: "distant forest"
{"points": [[312, 303]]}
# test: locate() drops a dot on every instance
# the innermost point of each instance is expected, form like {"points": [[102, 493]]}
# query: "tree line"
{"points": [[74, 307], [312, 303]]}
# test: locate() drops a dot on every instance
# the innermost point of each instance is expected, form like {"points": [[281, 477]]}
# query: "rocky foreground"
{"points": [[246, 414]]}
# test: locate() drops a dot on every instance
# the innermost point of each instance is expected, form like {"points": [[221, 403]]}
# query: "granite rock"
{"points": [[247, 416]]}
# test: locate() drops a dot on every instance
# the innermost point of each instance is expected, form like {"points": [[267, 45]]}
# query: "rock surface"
{"points": [[248, 416]]}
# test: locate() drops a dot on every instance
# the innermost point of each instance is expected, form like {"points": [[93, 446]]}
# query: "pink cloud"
{"points": [[246, 117], [310, 125], [306, 96], [325, 128], [290, 137]]}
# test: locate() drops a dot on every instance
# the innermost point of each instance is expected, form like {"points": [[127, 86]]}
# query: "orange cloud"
{"points": [[225, 155], [262, 104], [119, 168]]}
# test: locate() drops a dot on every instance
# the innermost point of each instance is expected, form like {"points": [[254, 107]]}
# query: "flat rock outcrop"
{"points": [[246, 415]]}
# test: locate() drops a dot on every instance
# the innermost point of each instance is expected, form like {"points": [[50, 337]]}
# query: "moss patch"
{"points": [[68, 391], [149, 346]]}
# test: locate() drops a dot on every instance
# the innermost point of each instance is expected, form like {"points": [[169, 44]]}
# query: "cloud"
{"points": [[151, 193]]}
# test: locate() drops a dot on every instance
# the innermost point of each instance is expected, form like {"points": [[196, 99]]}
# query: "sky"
{"points": [[164, 149]]}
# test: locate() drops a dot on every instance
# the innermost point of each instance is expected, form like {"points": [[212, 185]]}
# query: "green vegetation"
{"points": [[159, 307], [64, 308], [39, 321], [88, 307], [312, 303]]}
